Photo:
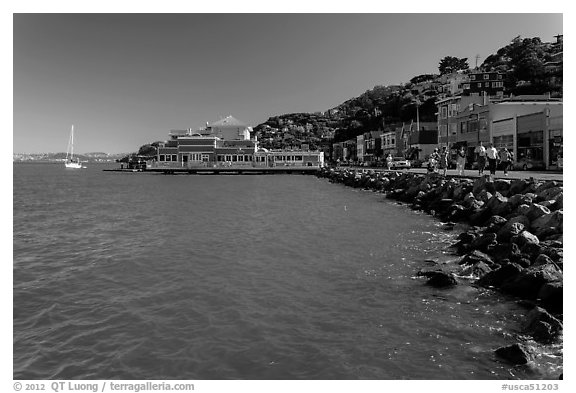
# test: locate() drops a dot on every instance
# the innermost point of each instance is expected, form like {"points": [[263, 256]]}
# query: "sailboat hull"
{"points": [[73, 165]]}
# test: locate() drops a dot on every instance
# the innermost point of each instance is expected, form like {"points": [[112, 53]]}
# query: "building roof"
{"points": [[229, 121]]}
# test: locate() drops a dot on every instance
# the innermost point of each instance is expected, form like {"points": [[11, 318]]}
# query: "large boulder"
{"points": [[542, 325], [484, 241], [542, 223], [479, 185], [504, 251], [524, 238], [518, 186], [537, 210], [551, 296], [501, 275], [502, 186], [519, 199], [495, 202], [476, 257], [516, 353], [527, 283], [477, 270], [440, 279], [549, 193], [480, 216], [510, 230], [484, 196]]}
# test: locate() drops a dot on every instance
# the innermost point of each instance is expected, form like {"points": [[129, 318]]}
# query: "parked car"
{"points": [[400, 163], [525, 164]]}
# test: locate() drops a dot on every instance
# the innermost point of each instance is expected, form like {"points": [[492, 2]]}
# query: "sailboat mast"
{"points": [[72, 143]]}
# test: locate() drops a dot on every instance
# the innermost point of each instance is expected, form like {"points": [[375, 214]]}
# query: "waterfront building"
{"points": [[532, 126], [226, 143], [529, 126]]}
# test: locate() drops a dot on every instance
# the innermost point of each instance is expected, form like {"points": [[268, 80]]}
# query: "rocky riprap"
{"points": [[514, 240]]}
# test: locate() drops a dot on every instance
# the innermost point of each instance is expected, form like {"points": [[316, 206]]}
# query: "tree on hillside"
{"points": [[450, 64], [423, 78]]}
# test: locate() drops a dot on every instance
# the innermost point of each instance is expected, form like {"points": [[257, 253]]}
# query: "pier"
{"points": [[224, 170]]}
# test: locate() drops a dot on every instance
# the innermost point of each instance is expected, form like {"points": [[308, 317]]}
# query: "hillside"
{"points": [[524, 62]]}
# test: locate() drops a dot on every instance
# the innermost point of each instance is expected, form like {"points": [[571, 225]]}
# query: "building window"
{"points": [[174, 157], [480, 84], [487, 84], [444, 112], [162, 158], [228, 157], [472, 77], [486, 76], [499, 76], [466, 86]]}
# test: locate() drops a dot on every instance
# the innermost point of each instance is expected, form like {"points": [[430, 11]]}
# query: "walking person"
{"points": [[492, 155], [389, 161], [433, 161], [506, 160], [481, 154], [461, 161], [444, 160]]}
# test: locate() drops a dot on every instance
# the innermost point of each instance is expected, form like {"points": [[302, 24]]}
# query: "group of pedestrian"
{"points": [[485, 157], [504, 157], [438, 160]]}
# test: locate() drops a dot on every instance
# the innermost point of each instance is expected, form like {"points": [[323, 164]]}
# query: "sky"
{"points": [[124, 80]]}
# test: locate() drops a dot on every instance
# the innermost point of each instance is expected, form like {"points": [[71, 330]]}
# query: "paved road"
{"points": [[540, 175]]}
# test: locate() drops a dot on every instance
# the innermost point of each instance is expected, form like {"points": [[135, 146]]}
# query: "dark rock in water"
{"points": [[501, 275], [516, 353], [458, 213], [475, 257], [480, 217], [551, 296], [542, 325], [479, 269], [504, 251], [483, 242], [528, 283], [441, 279]]}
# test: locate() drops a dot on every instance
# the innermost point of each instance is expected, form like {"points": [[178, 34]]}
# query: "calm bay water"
{"points": [[142, 276]]}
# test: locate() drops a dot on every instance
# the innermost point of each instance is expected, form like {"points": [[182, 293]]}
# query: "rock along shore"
{"points": [[514, 240]]}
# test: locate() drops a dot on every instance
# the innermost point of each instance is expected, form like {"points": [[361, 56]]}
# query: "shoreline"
{"points": [[513, 244]]}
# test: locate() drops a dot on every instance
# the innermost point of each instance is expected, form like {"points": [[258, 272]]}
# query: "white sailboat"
{"points": [[70, 163]]}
